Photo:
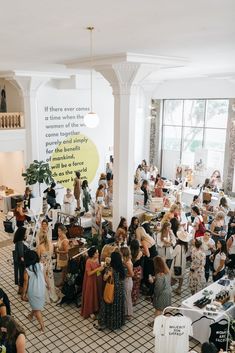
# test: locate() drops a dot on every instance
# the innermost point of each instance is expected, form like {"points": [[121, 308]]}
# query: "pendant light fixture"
{"points": [[91, 119]]}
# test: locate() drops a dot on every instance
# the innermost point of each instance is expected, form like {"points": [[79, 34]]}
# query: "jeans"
{"points": [[208, 267]]}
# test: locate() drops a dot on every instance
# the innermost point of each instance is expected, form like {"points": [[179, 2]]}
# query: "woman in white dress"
{"points": [[45, 251], [68, 202], [179, 259], [166, 242]]}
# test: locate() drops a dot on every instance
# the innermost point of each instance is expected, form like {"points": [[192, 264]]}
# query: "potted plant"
{"points": [[38, 172]]}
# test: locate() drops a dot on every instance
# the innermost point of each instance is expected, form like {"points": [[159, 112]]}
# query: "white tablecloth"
{"points": [[201, 329], [187, 197], [5, 201]]}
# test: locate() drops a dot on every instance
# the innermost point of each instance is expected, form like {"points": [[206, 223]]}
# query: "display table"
{"points": [[187, 197], [201, 328], [5, 201]]}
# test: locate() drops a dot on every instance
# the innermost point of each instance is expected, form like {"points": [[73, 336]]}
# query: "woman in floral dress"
{"points": [[197, 269], [45, 251], [137, 259]]}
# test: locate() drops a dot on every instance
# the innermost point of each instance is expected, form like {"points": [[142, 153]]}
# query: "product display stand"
{"points": [[36, 227], [180, 308]]}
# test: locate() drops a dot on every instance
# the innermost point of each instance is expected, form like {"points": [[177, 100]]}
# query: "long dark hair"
{"points": [[133, 226], [117, 265], [196, 210], [223, 202], [135, 248], [13, 328], [19, 234], [31, 258], [121, 223], [157, 178], [223, 247], [84, 184]]}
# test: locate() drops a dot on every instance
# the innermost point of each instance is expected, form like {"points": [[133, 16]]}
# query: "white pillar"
{"points": [[29, 87], [121, 77]]}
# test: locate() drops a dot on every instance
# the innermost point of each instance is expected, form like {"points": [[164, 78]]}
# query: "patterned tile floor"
{"points": [[67, 331]]}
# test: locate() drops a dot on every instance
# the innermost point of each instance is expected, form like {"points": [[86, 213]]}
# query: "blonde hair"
{"points": [[166, 218], [43, 239], [174, 207], [220, 215]]}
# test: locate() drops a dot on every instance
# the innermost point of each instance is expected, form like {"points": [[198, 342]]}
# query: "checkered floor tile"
{"points": [[67, 331]]}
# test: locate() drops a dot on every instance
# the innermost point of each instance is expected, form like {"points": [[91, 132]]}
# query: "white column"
{"points": [[29, 87], [121, 77]]}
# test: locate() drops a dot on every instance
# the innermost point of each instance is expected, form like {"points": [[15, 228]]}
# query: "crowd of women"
{"points": [[148, 258]]}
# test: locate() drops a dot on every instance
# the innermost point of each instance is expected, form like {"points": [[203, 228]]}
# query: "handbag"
{"points": [[62, 260], [8, 226], [109, 291], [178, 269], [74, 231], [201, 229]]}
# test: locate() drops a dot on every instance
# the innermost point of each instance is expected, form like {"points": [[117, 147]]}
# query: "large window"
{"points": [[191, 127]]}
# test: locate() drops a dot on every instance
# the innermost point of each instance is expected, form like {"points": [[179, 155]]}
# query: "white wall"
{"points": [[14, 101], [55, 95], [12, 166], [12, 140], [195, 88]]}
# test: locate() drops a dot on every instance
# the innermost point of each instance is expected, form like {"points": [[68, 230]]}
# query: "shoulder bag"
{"points": [[201, 229], [178, 269], [109, 290]]}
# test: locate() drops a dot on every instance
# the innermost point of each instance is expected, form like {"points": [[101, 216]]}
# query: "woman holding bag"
{"points": [[112, 315], [92, 285], [178, 265], [128, 282], [62, 252], [166, 242]]}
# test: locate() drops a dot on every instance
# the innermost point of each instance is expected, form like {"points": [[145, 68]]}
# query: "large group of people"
{"points": [[149, 257]]}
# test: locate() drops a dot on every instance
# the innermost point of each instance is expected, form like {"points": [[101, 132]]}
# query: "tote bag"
{"points": [[109, 291]]}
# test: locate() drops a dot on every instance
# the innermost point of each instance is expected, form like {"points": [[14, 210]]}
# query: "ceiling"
{"points": [[44, 35]]}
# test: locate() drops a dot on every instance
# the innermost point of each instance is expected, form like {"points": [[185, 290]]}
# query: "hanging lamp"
{"points": [[91, 119]]}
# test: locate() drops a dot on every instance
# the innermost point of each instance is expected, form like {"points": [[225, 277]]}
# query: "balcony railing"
{"points": [[11, 121]]}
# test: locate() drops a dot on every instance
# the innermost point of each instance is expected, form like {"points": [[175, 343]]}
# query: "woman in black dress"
{"points": [[18, 257], [112, 316]]}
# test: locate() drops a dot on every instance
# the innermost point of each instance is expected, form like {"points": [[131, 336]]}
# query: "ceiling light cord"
{"points": [[91, 66], [91, 119]]}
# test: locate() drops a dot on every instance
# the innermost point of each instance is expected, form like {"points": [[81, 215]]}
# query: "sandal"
{"points": [[150, 324], [98, 327], [25, 299]]}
